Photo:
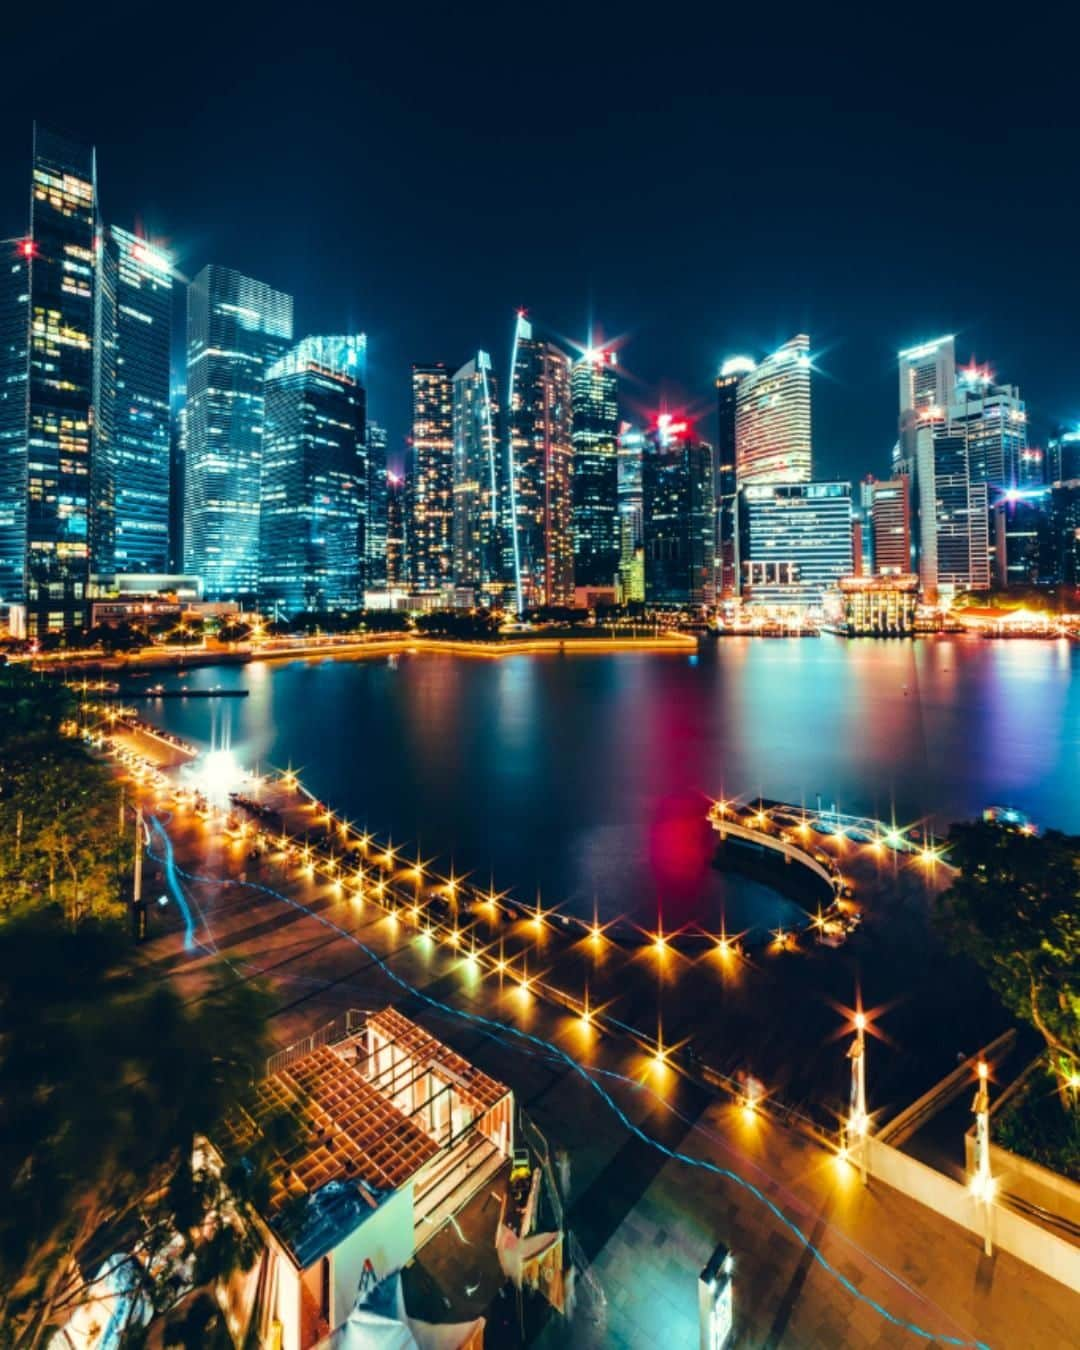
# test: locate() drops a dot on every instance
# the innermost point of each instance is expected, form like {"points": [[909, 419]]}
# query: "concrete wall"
{"points": [[1026, 1240], [1030, 1180]]}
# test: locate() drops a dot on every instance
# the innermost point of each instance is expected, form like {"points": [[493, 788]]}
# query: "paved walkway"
{"points": [[647, 1223]]}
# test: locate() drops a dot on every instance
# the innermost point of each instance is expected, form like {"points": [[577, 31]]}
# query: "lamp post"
{"points": [[857, 1117], [982, 1182]]}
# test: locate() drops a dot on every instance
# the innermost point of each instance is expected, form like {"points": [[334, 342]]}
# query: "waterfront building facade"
{"points": [[772, 426], [430, 479], [132, 431], [796, 542], [539, 471], [679, 517], [47, 304], [880, 606], [236, 329], [314, 479], [478, 548], [594, 435]]}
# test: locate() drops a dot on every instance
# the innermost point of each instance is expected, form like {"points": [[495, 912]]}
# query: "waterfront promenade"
{"points": [[647, 1223]]}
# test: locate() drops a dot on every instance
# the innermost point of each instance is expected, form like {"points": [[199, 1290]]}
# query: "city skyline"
{"points": [[858, 265]]}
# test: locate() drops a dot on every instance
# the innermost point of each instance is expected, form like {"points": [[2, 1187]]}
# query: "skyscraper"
{"points": [[890, 521], [772, 418], [679, 517], [395, 531], [47, 391], [727, 535], [478, 550], [631, 516], [375, 524], [927, 386], [595, 432], [539, 470], [236, 329], [430, 487], [131, 441], [177, 460], [1063, 457], [993, 421], [314, 478], [796, 542], [954, 545]]}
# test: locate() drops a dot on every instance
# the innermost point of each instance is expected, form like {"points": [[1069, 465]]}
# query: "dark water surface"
{"points": [[588, 776]]}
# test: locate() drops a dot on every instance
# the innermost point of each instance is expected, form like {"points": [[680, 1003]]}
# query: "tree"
{"points": [[108, 1083], [58, 807], [234, 632], [1014, 907]]}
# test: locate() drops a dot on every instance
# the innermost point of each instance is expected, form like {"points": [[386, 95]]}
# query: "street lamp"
{"points": [[858, 1121], [982, 1182]]}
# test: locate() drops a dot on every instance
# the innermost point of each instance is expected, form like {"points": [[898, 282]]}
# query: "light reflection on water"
{"points": [[587, 776]]}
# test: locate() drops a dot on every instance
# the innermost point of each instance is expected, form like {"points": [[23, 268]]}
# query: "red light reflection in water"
{"points": [[681, 846]]}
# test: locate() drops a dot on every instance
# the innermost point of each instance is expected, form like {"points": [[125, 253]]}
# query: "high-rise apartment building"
{"points": [[540, 469], [131, 436], [890, 526], [927, 385], [375, 522], [727, 533], [595, 436], [47, 391], [796, 542], [430, 486], [236, 329], [772, 419], [314, 478], [679, 517], [478, 550]]}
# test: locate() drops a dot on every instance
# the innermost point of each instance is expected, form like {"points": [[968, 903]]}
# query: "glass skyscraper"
{"points": [[314, 478], [539, 471], [478, 552], [679, 517], [631, 519], [727, 537], [47, 391], [236, 329], [772, 419], [131, 452], [375, 524], [430, 479], [595, 437]]}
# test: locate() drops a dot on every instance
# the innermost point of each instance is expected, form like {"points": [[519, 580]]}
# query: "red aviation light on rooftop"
{"points": [[26, 248]]}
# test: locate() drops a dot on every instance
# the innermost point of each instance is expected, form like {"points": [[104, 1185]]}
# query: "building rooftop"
{"points": [[348, 1145]]}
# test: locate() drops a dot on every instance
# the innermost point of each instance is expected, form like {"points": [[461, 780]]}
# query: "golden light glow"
{"points": [[984, 1069], [860, 1021]]}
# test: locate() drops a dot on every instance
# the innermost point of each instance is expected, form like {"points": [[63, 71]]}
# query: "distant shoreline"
{"points": [[380, 645]]}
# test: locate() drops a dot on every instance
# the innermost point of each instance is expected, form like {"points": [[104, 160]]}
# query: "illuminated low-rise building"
{"points": [[394, 1132], [881, 606]]}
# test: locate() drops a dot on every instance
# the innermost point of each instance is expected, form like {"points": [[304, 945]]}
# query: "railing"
{"points": [[338, 1030], [724, 825]]}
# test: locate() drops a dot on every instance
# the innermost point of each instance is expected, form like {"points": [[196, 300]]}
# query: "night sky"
{"points": [[693, 188]]}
